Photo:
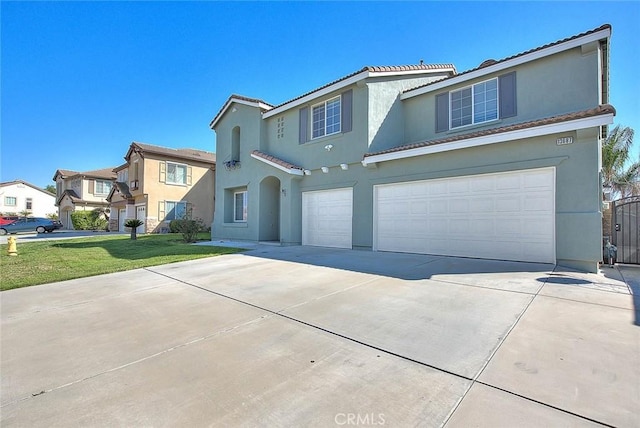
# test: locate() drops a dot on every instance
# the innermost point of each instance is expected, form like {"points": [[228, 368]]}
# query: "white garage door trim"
{"points": [[327, 218], [504, 216]]}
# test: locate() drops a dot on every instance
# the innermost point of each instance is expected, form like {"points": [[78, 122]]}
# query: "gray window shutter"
{"points": [[507, 93], [347, 111], [303, 135], [442, 112]]}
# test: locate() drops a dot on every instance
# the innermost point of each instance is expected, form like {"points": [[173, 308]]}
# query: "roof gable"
{"points": [[252, 102], [186, 154], [492, 66], [10, 183]]}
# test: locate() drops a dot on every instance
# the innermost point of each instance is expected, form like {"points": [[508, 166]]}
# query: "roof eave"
{"points": [[291, 171], [570, 125], [347, 82], [231, 100], [605, 33]]}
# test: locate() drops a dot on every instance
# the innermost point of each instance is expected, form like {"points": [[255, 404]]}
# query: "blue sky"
{"points": [[82, 80]]}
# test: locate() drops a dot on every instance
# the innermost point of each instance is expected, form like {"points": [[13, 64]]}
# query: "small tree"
{"points": [[133, 223], [50, 188], [52, 216], [620, 171], [25, 213]]}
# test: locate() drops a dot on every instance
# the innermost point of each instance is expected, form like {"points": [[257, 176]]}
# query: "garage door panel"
{"points": [[504, 215], [327, 217]]}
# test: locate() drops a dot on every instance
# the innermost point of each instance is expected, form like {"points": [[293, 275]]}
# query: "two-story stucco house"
{"points": [[499, 162], [18, 196], [160, 184], [81, 191]]}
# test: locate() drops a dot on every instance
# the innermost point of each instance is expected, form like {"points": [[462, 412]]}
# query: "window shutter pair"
{"points": [[189, 174], [506, 95], [346, 117]]}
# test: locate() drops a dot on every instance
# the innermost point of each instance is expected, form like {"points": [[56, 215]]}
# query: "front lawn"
{"points": [[51, 261]]}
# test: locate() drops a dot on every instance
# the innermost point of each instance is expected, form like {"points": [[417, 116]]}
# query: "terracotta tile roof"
{"points": [[100, 173], [190, 154], [597, 111], [106, 173], [492, 61], [376, 69], [276, 160], [230, 100]]}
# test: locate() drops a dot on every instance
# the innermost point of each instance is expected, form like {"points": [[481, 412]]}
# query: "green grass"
{"points": [[50, 261]]}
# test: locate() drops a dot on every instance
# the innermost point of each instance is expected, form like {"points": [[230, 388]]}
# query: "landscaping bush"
{"points": [[88, 220], [189, 228]]}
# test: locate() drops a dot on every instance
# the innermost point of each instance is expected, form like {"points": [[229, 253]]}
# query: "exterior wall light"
{"points": [[325, 169], [344, 166], [307, 172]]}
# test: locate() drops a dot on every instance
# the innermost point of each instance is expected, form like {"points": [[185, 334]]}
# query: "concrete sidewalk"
{"points": [[299, 336]]}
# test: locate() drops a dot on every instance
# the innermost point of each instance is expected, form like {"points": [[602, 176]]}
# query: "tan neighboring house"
{"points": [[81, 191], [160, 184]]}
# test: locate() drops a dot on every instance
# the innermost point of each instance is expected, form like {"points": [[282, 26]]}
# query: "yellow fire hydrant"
{"points": [[12, 246]]}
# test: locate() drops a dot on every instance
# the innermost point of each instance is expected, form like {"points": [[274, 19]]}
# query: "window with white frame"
{"points": [[102, 187], [175, 210], [325, 118], [10, 201], [28, 204], [176, 173], [474, 104], [123, 175], [240, 206]]}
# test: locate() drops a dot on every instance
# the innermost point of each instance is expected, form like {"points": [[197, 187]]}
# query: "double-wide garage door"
{"points": [[506, 216]]}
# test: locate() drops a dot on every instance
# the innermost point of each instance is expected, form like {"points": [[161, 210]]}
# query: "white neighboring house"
{"points": [[18, 196]]}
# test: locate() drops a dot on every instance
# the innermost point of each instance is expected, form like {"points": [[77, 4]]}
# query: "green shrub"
{"points": [[88, 220], [189, 228]]}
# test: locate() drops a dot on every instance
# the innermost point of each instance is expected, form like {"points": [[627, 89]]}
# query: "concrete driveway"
{"points": [[299, 336]]}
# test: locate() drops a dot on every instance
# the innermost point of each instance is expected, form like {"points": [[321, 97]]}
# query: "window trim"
{"points": [[166, 209], [324, 104], [175, 183], [28, 204], [15, 201], [472, 86], [95, 187], [245, 202]]}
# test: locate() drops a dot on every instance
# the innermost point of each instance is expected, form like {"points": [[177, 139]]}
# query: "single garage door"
{"points": [[505, 216], [327, 217]]}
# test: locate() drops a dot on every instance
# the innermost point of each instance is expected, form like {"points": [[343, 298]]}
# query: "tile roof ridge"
{"points": [[276, 160]]}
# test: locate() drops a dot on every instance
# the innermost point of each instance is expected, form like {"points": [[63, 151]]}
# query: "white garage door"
{"points": [[505, 216], [326, 218]]}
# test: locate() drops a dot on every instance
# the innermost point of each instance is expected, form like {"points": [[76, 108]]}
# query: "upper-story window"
{"points": [[10, 201], [123, 176], [102, 187], [176, 173], [474, 104], [479, 103], [325, 118]]}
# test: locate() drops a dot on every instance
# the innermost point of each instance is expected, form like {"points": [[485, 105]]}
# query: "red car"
{"points": [[8, 219]]}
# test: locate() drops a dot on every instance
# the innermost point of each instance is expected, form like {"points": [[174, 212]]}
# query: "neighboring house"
{"points": [[160, 184], [18, 196], [499, 162], [81, 191]]}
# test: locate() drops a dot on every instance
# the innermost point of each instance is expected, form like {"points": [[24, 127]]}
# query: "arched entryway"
{"points": [[269, 210]]}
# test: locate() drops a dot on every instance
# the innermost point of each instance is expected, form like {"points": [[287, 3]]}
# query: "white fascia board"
{"points": [[509, 63], [538, 131], [232, 100], [344, 83], [322, 92], [291, 171]]}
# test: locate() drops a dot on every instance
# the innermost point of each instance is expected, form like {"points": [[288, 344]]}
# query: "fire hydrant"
{"points": [[12, 247]]}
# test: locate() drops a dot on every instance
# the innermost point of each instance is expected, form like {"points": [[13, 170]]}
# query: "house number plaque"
{"points": [[564, 140]]}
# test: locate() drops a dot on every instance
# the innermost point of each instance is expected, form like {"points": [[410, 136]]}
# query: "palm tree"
{"points": [[133, 223], [620, 173]]}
